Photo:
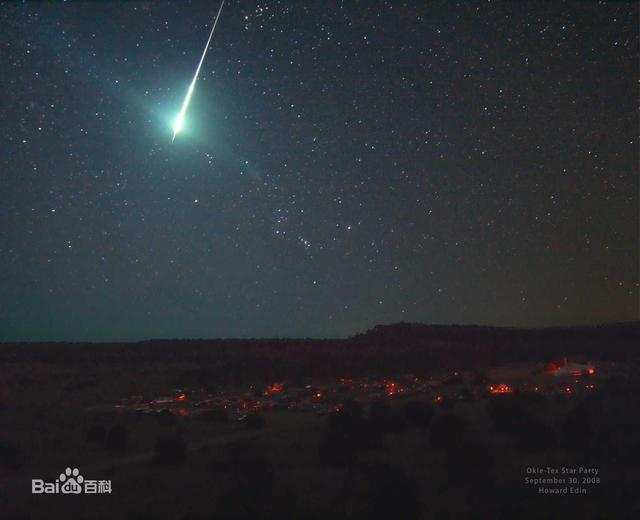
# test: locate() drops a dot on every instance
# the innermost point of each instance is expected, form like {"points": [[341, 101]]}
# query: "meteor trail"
{"points": [[179, 121]]}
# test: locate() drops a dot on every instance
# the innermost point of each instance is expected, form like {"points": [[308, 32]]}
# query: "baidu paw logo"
{"points": [[71, 481]]}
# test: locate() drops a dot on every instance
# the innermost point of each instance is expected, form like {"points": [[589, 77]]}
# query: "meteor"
{"points": [[178, 123]]}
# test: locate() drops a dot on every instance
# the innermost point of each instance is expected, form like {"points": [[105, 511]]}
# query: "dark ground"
{"points": [[392, 459]]}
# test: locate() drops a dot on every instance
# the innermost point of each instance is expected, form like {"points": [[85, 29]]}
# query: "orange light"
{"points": [[181, 397], [275, 388], [500, 389], [591, 371], [438, 399], [391, 388], [553, 367]]}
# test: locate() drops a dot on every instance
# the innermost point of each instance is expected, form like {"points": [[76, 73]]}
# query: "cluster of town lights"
{"points": [[500, 389]]}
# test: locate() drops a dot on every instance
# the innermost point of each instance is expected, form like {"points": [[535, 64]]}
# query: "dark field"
{"points": [[396, 423]]}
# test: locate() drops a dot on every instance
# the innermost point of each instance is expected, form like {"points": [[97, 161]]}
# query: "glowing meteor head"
{"points": [[178, 124]]}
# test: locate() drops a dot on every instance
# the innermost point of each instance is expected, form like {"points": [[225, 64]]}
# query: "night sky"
{"points": [[343, 164]]}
